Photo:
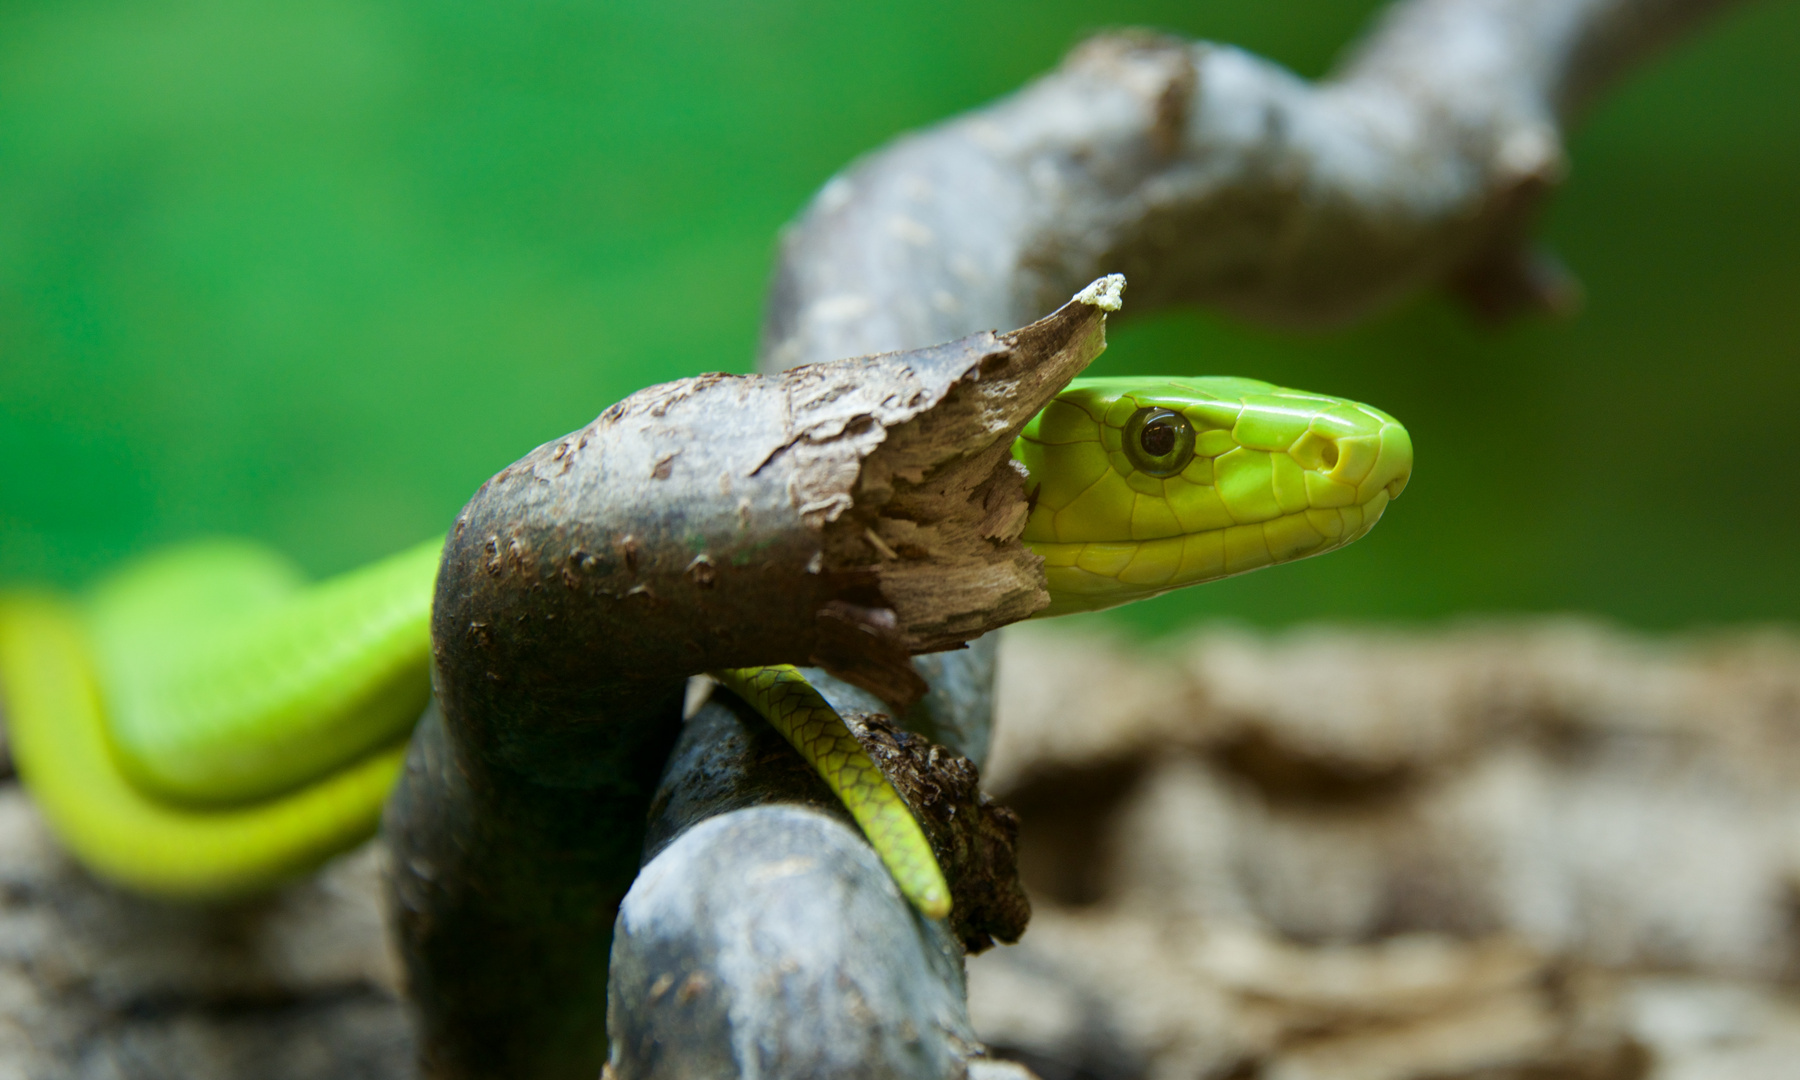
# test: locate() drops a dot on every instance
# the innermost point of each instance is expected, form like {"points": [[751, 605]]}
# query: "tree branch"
{"points": [[715, 522], [1207, 175]]}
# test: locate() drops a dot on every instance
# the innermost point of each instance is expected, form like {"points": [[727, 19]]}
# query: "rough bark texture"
{"points": [[823, 969], [974, 838]]}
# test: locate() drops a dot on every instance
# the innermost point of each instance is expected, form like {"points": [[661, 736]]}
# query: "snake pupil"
{"points": [[1158, 437], [1159, 441]]}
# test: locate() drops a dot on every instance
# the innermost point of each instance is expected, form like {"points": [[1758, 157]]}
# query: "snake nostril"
{"points": [[1316, 452]]}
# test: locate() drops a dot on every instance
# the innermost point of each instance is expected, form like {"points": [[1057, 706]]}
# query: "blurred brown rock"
{"points": [[99, 985], [1538, 850]]}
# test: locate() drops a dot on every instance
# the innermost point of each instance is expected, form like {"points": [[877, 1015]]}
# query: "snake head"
{"points": [[1147, 485]]}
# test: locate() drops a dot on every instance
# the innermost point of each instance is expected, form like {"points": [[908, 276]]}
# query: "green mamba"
{"points": [[204, 724]]}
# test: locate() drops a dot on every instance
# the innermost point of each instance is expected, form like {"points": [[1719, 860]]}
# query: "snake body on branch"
{"points": [[203, 724]]}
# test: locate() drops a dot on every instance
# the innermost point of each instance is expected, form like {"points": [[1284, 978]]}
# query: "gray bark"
{"points": [[1208, 175]]}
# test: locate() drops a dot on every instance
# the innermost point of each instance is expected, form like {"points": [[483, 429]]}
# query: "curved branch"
{"points": [[1208, 175], [713, 522], [763, 936]]}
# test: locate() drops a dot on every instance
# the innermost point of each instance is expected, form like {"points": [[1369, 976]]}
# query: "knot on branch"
{"points": [[1157, 67], [974, 838]]}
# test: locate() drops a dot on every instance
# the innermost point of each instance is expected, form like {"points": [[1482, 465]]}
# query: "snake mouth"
{"points": [[1273, 476]]}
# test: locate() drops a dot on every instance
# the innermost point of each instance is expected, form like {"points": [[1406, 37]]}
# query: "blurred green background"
{"points": [[311, 272]]}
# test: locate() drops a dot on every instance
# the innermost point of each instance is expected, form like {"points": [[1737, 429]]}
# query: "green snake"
{"points": [[204, 724]]}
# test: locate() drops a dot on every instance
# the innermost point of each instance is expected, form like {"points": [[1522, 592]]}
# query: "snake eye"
{"points": [[1158, 441]]}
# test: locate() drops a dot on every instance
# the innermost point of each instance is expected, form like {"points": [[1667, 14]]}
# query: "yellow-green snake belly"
{"points": [[203, 724]]}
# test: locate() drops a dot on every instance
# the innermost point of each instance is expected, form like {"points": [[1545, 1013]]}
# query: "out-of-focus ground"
{"points": [[1519, 851], [98, 985], [1523, 851]]}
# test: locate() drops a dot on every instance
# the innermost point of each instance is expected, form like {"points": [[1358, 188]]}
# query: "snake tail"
{"points": [[784, 698], [57, 723], [227, 680]]}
